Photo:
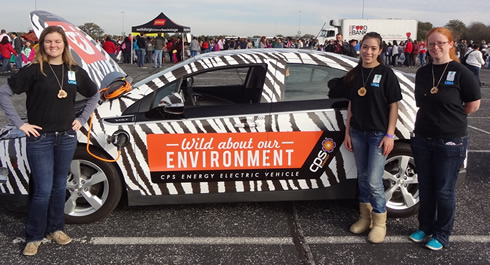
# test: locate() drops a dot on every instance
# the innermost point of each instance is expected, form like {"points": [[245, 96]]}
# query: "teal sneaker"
{"points": [[417, 236], [434, 244]]}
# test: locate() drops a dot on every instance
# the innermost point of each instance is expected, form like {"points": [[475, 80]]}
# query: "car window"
{"points": [[225, 86], [222, 77], [163, 92], [308, 82]]}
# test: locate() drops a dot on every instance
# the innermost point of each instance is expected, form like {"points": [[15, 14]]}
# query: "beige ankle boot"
{"points": [[378, 233], [364, 223]]}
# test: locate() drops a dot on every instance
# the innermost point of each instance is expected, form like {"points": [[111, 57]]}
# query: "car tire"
{"points": [[401, 182], [93, 188]]}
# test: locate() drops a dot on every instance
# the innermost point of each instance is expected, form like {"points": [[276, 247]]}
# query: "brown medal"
{"points": [[61, 93], [434, 88], [362, 91]]}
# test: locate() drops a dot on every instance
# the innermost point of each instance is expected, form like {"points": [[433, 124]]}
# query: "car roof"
{"points": [[272, 53]]}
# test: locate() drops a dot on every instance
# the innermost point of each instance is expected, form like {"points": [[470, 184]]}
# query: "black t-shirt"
{"points": [[44, 108], [442, 115], [371, 112]]}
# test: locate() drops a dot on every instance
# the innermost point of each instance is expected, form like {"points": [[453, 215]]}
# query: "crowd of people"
{"points": [[15, 51]]}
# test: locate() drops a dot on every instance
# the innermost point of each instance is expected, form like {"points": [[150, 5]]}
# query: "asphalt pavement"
{"points": [[311, 232]]}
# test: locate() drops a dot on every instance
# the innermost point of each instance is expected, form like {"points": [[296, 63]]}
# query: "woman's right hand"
{"points": [[30, 129], [348, 142]]}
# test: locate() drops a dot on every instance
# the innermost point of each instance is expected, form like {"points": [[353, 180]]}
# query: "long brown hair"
{"points": [[42, 57], [351, 75], [449, 35]]}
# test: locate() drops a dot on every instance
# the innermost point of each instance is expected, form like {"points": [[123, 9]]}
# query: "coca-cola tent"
{"points": [[161, 24]]}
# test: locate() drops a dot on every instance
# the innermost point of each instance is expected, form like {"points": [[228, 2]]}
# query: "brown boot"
{"points": [[364, 223], [378, 233]]}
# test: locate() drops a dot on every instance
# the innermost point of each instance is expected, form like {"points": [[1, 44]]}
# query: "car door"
{"points": [[312, 106], [213, 145]]}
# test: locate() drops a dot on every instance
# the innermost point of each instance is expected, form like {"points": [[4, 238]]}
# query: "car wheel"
{"points": [[93, 188], [400, 182]]}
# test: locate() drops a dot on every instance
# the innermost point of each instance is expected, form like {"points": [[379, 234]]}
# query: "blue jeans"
{"points": [[438, 162], [5, 65], [422, 58], [158, 58], [50, 156], [476, 71], [370, 164], [141, 57], [18, 60], [194, 53]]}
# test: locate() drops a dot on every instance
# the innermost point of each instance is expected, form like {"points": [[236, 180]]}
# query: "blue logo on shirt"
{"points": [[375, 84], [449, 83]]}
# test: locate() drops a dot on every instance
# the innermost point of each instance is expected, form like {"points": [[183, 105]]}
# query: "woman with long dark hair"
{"points": [[373, 93]]}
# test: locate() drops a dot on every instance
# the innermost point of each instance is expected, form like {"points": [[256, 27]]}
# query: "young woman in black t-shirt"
{"points": [[51, 83], [373, 93], [446, 92]]}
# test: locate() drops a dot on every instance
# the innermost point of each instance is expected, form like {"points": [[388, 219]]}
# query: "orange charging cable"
{"points": [[123, 89]]}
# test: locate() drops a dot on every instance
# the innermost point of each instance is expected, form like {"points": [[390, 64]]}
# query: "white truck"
{"points": [[390, 29]]}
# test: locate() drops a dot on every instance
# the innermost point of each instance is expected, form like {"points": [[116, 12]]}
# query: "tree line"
{"points": [[476, 31]]}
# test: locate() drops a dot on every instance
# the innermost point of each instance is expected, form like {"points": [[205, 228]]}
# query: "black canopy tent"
{"points": [[160, 24]]}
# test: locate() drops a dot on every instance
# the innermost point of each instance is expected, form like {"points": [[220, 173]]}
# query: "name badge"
{"points": [[72, 78], [450, 78], [451, 75], [376, 80]]}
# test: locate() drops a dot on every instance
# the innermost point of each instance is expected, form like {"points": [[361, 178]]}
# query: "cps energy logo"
{"points": [[328, 146], [355, 30]]}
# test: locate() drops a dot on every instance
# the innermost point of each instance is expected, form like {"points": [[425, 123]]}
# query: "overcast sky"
{"points": [[241, 17]]}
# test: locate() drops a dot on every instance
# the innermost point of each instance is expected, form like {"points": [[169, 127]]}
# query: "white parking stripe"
{"points": [[478, 129], [479, 151], [261, 240]]}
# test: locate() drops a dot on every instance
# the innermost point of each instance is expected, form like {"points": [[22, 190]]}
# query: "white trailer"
{"points": [[389, 29]]}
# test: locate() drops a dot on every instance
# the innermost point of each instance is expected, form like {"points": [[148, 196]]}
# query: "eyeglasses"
{"points": [[438, 43]]}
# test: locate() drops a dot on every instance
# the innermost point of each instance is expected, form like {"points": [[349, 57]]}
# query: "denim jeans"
{"points": [[422, 58], [5, 65], [141, 57], [476, 71], [438, 162], [158, 58], [18, 60], [49, 156], [370, 164]]}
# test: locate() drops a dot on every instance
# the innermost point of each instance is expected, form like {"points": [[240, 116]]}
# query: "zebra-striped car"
{"points": [[242, 125]]}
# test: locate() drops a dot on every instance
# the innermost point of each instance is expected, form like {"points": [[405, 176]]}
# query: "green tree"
{"points": [[458, 28], [93, 30], [477, 32], [423, 29]]}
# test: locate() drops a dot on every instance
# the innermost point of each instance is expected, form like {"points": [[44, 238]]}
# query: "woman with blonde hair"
{"points": [[446, 92], [51, 83]]}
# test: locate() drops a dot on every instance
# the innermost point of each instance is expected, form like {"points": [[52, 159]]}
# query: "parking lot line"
{"points": [[261, 240], [478, 129]]}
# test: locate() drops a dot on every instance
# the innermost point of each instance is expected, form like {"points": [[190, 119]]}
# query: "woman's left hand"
{"points": [[76, 125], [388, 144]]}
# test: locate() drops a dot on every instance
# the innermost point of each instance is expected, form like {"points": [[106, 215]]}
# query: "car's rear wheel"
{"points": [[400, 182], [93, 189]]}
